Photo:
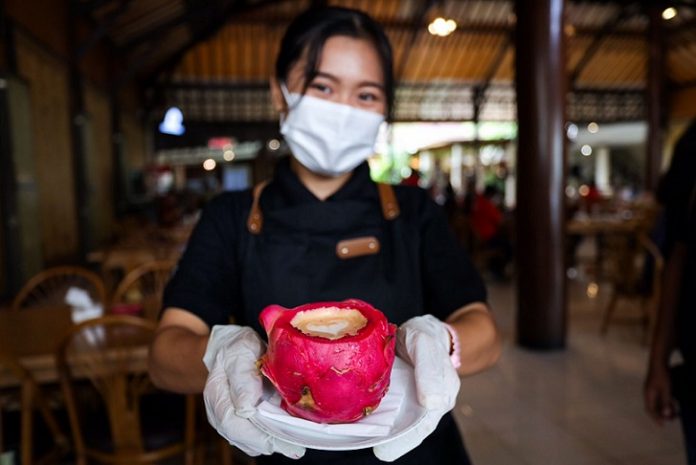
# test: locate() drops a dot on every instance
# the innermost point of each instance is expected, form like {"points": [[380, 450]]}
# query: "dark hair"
{"points": [[309, 31]]}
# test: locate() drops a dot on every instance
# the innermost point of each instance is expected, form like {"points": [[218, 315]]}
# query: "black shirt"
{"points": [[228, 272], [225, 271]]}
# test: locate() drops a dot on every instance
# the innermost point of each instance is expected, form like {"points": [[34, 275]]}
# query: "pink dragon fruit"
{"points": [[330, 361]]}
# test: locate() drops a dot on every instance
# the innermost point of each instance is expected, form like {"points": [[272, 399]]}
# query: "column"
{"points": [[655, 97], [117, 156], [10, 249], [78, 120], [540, 85]]}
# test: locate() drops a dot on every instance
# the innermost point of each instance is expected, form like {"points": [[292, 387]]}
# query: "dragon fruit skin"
{"points": [[323, 380]]}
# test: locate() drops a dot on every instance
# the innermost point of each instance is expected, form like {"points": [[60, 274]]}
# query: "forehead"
{"points": [[347, 58]]}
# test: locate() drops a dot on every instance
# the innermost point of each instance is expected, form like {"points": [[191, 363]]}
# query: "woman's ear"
{"points": [[277, 98]]}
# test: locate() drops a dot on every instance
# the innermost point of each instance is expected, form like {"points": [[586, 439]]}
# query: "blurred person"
{"points": [[670, 391], [487, 222], [333, 71], [590, 197], [486, 217], [413, 179]]}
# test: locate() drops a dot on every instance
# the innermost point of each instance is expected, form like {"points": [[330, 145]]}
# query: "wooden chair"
{"points": [[50, 286], [30, 399], [145, 286], [636, 274], [111, 352]]}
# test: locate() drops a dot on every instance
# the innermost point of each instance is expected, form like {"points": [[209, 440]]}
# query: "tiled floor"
{"points": [[578, 406]]}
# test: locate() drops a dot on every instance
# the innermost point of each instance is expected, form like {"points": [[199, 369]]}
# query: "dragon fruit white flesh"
{"points": [[330, 361]]}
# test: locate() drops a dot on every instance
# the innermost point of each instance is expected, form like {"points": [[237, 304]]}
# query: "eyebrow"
{"points": [[361, 84]]}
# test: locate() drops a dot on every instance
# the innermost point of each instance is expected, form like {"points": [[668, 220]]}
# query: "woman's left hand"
{"points": [[657, 394], [425, 343]]}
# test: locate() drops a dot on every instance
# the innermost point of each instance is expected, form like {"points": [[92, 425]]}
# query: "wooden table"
{"points": [[593, 226], [33, 335], [610, 234]]}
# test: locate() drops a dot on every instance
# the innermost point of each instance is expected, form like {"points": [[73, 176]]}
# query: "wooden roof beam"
{"points": [[473, 28], [102, 28], [86, 8], [688, 25], [607, 29], [206, 14], [414, 26], [480, 91], [233, 8]]}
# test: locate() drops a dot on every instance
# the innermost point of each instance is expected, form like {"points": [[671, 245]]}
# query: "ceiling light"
{"points": [[209, 164], [593, 128], [228, 155], [586, 150], [669, 13], [442, 27]]}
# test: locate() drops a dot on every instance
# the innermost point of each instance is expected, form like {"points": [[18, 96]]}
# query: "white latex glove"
{"points": [[424, 342], [234, 388]]}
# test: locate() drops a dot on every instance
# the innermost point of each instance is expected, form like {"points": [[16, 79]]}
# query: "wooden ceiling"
{"points": [[214, 57]]}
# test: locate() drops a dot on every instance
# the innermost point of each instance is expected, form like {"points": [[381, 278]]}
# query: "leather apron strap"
{"points": [[390, 206], [255, 219], [387, 199]]}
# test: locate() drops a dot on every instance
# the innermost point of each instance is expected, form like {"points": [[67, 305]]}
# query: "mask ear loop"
{"points": [[290, 100]]}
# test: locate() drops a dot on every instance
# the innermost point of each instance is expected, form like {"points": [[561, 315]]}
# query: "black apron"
{"points": [[291, 256]]}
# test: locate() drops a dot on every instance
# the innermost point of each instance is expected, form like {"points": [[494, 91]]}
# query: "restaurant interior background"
{"points": [[120, 119]]}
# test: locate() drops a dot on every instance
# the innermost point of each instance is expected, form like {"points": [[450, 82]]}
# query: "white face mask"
{"points": [[328, 138]]}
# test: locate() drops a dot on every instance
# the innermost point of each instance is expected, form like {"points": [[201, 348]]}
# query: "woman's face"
{"points": [[349, 72]]}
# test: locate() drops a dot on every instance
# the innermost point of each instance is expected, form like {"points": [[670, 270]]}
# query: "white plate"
{"points": [[409, 415]]}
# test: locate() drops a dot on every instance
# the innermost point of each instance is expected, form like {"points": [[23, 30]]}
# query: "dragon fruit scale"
{"points": [[330, 361]]}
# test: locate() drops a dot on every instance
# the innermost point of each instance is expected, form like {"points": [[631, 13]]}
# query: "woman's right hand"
{"points": [[657, 394], [233, 389]]}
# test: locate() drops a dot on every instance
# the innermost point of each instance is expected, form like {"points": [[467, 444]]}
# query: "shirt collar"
{"points": [[359, 185]]}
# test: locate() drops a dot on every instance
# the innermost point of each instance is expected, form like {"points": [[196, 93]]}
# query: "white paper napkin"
{"points": [[83, 308], [378, 423]]}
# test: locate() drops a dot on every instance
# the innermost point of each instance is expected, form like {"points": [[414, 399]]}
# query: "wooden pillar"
{"points": [[78, 120], [10, 250], [540, 85], [118, 177], [655, 98]]}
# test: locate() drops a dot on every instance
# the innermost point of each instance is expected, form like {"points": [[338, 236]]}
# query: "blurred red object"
{"points": [[127, 309]]}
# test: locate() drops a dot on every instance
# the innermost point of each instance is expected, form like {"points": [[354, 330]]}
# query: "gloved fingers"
{"points": [[396, 448], [425, 342], [417, 328], [220, 336], [244, 435], [227, 336], [437, 381], [216, 398], [239, 431], [237, 394], [246, 384], [291, 451], [256, 443]]}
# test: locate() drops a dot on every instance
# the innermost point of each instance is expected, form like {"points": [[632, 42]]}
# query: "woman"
{"points": [[670, 391], [277, 245]]}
